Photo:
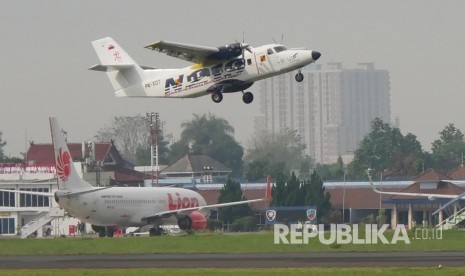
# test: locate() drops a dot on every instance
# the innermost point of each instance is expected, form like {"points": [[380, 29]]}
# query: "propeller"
{"points": [[244, 46]]}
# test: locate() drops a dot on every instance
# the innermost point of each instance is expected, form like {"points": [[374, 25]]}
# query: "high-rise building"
{"points": [[331, 110]]}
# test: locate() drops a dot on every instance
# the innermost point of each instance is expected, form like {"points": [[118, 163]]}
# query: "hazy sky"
{"points": [[45, 50]]}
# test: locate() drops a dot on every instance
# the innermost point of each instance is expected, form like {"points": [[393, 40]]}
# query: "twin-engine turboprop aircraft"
{"points": [[216, 70], [108, 208]]}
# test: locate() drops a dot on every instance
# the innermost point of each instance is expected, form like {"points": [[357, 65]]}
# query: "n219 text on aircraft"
{"points": [[216, 70]]}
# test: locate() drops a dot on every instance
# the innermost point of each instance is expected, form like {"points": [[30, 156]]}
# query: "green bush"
{"points": [[244, 224], [213, 224]]}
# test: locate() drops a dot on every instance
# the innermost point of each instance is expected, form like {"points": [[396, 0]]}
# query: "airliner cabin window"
{"points": [[269, 51]]}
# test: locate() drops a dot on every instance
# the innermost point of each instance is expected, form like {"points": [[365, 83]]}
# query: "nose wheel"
{"points": [[247, 97], [299, 77]]}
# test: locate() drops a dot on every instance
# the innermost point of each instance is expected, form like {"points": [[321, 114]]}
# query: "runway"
{"points": [[252, 260]]}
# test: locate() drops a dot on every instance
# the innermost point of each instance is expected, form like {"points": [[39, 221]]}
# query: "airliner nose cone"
{"points": [[315, 55]]}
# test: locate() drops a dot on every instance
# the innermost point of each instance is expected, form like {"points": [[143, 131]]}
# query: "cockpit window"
{"points": [[280, 48], [269, 51]]}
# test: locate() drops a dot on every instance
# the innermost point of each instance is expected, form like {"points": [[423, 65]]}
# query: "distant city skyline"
{"points": [[331, 110], [46, 50]]}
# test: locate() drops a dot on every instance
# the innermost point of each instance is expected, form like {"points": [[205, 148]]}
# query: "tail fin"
{"points": [[68, 178], [121, 69]]}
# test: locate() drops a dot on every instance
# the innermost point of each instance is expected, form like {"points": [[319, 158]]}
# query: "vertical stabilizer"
{"points": [[121, 69], [68, 178]]}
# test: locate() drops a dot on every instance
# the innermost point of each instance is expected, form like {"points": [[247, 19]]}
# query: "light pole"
{"points": [[381, 188], [344, 196]]}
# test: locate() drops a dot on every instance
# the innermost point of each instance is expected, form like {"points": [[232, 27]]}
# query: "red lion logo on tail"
{"points": [[63, 165]]}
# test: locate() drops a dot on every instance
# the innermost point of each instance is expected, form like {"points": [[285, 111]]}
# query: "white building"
{"points": [[331, 109], [26, 214]]}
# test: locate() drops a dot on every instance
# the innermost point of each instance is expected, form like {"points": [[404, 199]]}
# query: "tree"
{"points": [[131, 137], [295, 192], [331, 171], [267, 149], [278, 191], [447, 151], [2, 144], [231, 192], [210, 135], [315, 195], [385, 148]]}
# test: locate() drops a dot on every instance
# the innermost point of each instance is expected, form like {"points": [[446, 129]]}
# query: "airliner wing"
{"points": [[429, 196], [52, 194], [189, 52], [28, 192], [432, 196], [185, 211]]}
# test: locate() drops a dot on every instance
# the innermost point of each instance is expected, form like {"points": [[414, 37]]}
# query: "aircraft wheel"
{"points": [[247, 97], [299, 77], [155, 231], [217, 97], [109, 232]]}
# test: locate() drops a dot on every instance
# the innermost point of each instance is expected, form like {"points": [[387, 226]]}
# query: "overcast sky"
{"points": [[45, 50]]}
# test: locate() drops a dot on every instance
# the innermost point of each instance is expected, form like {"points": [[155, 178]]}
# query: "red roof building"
{"points": [[101, 163]]}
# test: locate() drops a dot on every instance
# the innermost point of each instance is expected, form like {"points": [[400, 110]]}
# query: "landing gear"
{"points": [[247, 97], [155, 231], [217, 97], [299, 76], [101, 230]]}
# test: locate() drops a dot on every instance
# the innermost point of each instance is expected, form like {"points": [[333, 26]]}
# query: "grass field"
{"points": [[207, 272], [214, 243]]}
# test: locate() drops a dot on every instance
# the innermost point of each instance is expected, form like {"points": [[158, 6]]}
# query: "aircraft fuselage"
{"points": [[231, 75], [127, 206]]}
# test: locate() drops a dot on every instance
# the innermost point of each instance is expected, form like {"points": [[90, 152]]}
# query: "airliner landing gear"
{"points": [[100, 230], [299, 76], [247, 97], [217, 97], [155, 231]]}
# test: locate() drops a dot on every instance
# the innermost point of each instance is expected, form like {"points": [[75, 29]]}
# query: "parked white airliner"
{"points": [[216, 70], [108, 208]]}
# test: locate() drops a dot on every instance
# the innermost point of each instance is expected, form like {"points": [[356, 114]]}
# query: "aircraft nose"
{"points": [[315, 55]]}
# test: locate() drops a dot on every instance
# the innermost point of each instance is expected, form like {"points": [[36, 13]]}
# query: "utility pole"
{"points": [[153, 125]]}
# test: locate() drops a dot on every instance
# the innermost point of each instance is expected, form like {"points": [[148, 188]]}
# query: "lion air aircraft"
{"points": [[107, 208], [216, 70]]}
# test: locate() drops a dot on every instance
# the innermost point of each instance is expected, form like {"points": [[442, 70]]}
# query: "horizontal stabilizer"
{"points": [[109, 68]]}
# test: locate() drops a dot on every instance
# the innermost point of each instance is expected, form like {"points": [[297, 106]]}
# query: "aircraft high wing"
{"points": [[217, 70], [197, 53]]}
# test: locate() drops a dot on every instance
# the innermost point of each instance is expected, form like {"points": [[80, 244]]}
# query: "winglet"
{"points": [[268, 188]]}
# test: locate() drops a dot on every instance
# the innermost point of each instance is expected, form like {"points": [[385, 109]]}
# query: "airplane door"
{"points": [[274, 59], [264, 61]]}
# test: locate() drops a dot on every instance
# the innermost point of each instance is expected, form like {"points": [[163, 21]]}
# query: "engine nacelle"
{"points": [[194, 220]]}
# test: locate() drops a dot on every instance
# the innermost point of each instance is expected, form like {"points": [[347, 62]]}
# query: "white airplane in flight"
{"points": [[108, 208], [216, 70]]}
